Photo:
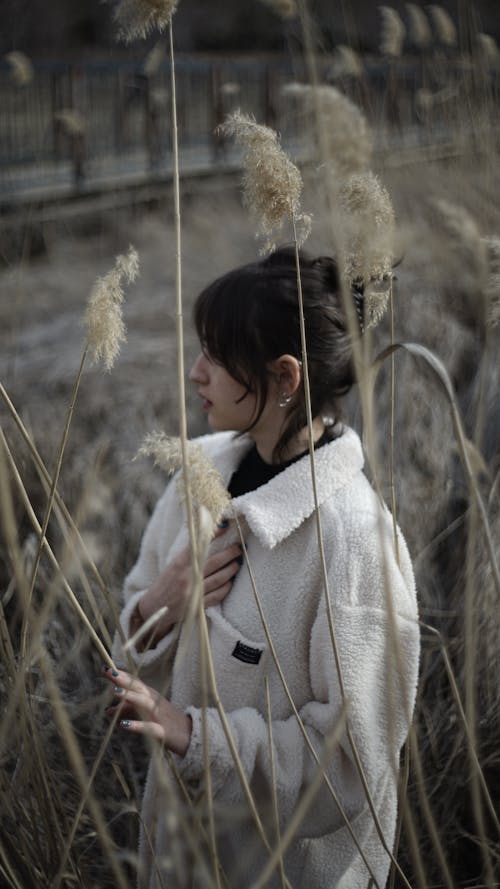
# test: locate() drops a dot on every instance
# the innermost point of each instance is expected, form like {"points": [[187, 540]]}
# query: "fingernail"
{"points": [[117, 690], [125, 723], [240, 560], [223, 523], [114, 672]]}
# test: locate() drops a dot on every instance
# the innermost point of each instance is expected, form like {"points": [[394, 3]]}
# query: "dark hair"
{"points": [[250, 316]]}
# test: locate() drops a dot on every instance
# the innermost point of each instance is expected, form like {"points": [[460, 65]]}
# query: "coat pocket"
{"points": [[239, 663]]}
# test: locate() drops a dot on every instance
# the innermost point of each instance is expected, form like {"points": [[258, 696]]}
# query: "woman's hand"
{"points": [[144, 711], [173, 588]]}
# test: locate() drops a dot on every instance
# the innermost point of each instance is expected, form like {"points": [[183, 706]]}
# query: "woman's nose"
{"points": [[197, 374]]}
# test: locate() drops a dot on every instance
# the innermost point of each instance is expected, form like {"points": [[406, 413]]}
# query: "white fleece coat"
{"points": [[375, 621]]}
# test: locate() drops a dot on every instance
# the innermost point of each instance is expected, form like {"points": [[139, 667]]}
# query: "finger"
{"points": [[144, 703], [119, 709], [141, 727], [212, 583], [218, 560], [217, 596], [122, 679]]}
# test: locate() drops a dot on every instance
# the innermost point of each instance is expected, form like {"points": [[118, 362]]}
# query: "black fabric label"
{"points": [[246, 653]]}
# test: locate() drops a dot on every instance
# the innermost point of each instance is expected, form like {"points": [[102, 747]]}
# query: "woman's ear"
{"points": [[287, 372]]}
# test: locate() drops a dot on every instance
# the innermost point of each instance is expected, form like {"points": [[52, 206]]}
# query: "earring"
{"points": [[285, 398]]}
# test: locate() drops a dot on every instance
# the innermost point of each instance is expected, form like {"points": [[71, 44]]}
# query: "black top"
{"points": [[253, 471]]}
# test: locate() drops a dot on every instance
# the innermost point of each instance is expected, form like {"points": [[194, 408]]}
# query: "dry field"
{"points": [[54, 734]]}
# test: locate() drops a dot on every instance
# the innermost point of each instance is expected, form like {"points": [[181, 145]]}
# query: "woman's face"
{"points": [[227, 403]]}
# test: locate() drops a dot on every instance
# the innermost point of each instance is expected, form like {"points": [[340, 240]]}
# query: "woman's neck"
{"points": [[266, 442]]}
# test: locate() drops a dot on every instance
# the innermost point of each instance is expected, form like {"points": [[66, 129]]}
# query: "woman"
{"points": [[250, 379]]}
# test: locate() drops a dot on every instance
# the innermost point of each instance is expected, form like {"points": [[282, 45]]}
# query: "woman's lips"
{"points": [[206, 404]]}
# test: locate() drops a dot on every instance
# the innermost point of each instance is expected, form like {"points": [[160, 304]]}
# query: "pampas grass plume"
{"points": [[207, 488], [367, 221], [488, 49], [393, 32], [103, 316], [272, 184], [464, 238], [420, 29], [21, 68], [346, 62], [154, 59], [443, 25], [136, 19], [71, 121], [286, 9], [347, 139]]}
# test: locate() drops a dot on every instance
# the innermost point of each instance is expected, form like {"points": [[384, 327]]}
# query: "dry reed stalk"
{"points": [[79, 770], [442, 375], [296, 713], [303, 806], [45, 477], [74, 538], [276, 814], [105, 332], [212, 683], [471, 642], [48, 508], [55, 564], [391, 431], [463, 719], [285, 201], [55, 884], [469, 717], [359, 360]]}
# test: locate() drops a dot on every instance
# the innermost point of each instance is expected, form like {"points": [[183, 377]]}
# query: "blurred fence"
{"points": [[76, 123]]}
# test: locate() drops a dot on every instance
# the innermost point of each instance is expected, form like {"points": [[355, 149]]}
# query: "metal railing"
{"points": [[92, 121]]}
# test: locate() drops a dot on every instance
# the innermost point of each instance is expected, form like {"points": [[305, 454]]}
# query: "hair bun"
{"points": [[329, 272]]}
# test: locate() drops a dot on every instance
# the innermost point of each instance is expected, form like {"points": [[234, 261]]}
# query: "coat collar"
{"points": [[277, 508]]}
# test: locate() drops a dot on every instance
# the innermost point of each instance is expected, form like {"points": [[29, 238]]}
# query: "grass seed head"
{"points": [[272, 184], [367, 221], [207, 488], [154, 59], [343, 131], [393, 32], [488, 49], [286, 9], [346, 62], [103, 316], [463, 241], [419, 28], [21, 68], [136, 19], [443, 25], [71, 121]]}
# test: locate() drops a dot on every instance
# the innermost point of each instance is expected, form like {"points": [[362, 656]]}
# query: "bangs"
{"points": [[224, 316]]}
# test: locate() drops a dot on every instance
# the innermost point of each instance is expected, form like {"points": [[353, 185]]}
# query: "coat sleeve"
{"points": [[377, 636], [156, 542]]}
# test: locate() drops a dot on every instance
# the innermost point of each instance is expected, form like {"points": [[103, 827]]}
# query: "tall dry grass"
{"points": [[70, 786]]}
